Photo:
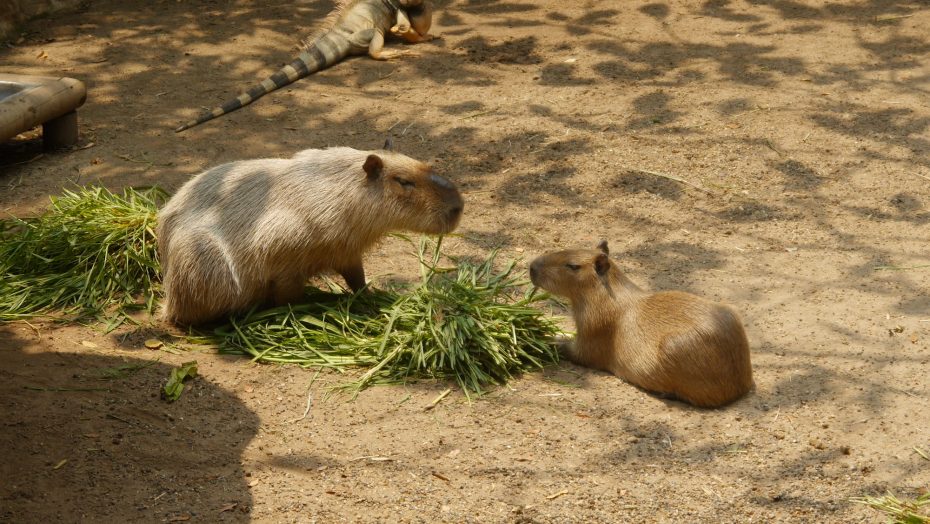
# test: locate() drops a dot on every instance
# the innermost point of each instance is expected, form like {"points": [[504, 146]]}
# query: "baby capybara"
{"points": [[669, 342]]}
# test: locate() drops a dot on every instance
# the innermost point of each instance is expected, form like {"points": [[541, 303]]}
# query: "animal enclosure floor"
{"points": [[772, 155]]}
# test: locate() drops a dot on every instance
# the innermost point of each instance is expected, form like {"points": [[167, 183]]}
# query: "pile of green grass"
{"points": [[92, 252], [915, 511], [469, 323]]}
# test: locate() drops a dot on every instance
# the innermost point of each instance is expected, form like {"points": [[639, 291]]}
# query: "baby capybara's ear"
{"points": [[602, 264], [603, 247], [373, 167]]}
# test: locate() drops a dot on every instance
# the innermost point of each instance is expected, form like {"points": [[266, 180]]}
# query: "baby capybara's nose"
{"points": [[534, 271], [455, 212]]}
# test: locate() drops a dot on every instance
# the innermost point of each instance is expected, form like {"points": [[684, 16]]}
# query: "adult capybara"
{"points": [[670, 342], [252, 232]]}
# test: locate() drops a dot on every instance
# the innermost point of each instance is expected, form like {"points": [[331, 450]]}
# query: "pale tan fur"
{"points": [[669, 342], [252, 232]]}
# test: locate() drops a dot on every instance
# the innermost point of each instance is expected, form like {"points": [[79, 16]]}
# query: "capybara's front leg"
{"points": [[354, 275]]}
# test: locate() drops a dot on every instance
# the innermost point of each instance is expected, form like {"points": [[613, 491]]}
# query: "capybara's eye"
{"points": [[405, 183], [573, 267]]}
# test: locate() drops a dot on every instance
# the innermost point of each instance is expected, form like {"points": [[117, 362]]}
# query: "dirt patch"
{"points": [[802, 131], [14, 12]]}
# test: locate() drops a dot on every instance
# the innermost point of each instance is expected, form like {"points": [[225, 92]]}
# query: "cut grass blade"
{"points": [[91, 250], [900, 511], [172, 389], [468, 323]]}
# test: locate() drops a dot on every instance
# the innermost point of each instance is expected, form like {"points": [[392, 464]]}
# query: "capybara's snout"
{"points": [[454, 214], [535, 268], [454, 205]]}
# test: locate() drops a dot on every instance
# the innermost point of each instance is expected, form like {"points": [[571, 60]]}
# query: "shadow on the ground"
{"points": [[92, 427], [524, 161]]}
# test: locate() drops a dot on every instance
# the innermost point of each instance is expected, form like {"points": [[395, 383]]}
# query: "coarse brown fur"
{"points": [[252, 232], [669, 342]]}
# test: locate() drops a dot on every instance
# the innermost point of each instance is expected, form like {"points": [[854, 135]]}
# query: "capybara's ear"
{"points": [[603, 247], [602, 264], [389, 144], [373, 167]]}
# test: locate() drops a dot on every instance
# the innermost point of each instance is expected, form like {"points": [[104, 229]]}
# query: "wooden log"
{"points": [[28, 101], [60, 132]]}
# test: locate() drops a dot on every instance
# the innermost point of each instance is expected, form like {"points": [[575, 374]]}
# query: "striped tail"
{"points": [[319, 55]]}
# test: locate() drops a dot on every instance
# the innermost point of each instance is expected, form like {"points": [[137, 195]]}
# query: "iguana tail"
{"points": [[324, 52]]}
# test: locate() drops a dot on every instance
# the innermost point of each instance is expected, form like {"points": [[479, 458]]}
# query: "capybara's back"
{"points": [[252, 232], [701, 346]]}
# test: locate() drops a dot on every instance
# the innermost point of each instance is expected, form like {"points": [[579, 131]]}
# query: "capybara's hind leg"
{"points": [[202, 284]]}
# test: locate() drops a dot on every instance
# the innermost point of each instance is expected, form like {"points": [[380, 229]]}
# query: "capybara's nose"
{"points": [[456, 211], [534, 271]]}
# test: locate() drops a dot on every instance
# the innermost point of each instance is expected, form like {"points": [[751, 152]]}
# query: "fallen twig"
{"points": [[899, 268], [36, 388], [114, 417], [770, 145], [33, 159], [437, 400], [892, 17], [922, 453], [672, 177], [150, 163], [440, 476], [473, 115], [309, 396]]}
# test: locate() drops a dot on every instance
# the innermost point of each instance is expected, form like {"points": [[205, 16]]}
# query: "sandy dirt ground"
{"points": [[800, 132]]}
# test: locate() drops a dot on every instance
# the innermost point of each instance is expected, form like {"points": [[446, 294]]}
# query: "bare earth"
{"points": [[800, 133]]}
